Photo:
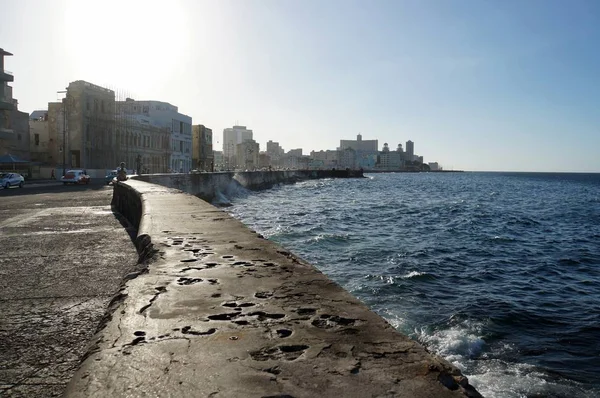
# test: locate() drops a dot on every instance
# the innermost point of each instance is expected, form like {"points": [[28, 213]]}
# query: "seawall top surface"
{"points": [[222, 312]]}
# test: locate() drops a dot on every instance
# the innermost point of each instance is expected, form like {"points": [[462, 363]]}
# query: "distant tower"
{"points": [[359, 137], [410, 149], [386, 148], [399, 149]]}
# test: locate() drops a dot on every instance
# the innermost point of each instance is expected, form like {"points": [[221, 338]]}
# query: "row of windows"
{"points": [[181, 146], [143, 141]]}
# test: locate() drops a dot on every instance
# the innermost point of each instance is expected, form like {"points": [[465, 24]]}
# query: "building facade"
{"points": [[39, 138], [410, 150], [218, 159], [14, 124], [359, 144], [165, 116], [247, 155], [202, 148], [6, 106], [231, 138]]}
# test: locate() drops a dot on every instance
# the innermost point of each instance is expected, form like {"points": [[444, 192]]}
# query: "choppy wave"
{"points": [[498, 273]]}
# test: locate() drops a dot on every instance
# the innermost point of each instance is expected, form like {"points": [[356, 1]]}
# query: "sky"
{"points": [[475, 84]]}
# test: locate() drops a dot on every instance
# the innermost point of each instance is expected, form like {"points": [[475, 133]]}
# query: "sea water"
{"points": [[499, 273]]}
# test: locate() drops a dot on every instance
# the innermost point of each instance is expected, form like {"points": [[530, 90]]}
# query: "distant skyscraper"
{"points": [[359, 144], [231, 138], [410, 150]]}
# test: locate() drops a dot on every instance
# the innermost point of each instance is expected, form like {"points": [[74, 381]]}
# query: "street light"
{"points": [[64, 145]]}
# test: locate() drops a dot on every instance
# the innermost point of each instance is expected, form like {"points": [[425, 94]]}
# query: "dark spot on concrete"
{"points": [[215, 295], [188, 281], [213, 281], [278, 396], [241, 323], [264, 315], [263, 295], [211, 265], [224, 317], [139, 333], [356, 368], [283, 252], [188, 330], [247, 305], [238, 246], [293, 348], [306, 311], [325, 316], [227, 256], [240, 263], [283, 333], [188, 260], [234, 338], [349, 331], [270, 264], [274, 370], [229, 305], [320, 323]]}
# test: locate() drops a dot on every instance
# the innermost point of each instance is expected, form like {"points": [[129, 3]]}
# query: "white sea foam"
{"points": [[462, 345], [412, 274]]}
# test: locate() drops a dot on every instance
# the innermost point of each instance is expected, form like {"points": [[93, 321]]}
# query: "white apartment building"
{"points": [[164, 115]]}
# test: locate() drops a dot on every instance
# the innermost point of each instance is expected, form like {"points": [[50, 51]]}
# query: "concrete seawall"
{"points": [[218, 311], [220, 186]]}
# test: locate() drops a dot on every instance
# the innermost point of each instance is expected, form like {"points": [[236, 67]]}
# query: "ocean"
{"points": [[499, 273]]}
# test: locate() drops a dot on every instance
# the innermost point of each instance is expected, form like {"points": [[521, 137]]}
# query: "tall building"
{"points": [[410, 150], [202, 148], [231, 138], [359, 144], [165, 116], [90, 129], [275, 152], [247, 155], [14, 124]]}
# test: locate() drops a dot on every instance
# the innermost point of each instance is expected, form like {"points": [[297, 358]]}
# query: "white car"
{"points": [[75, 177], [8, 180]]}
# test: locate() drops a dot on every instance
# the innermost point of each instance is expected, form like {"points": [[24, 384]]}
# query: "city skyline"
{"points": [[478, 85]]}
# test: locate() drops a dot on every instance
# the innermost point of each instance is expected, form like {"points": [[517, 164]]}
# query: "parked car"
{"points": [[110, 176], [75, 177], [8, 180]]}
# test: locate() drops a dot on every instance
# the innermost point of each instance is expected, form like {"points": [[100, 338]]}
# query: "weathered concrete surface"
{"points": [[220, 186], [57, 275], [223, 312]]}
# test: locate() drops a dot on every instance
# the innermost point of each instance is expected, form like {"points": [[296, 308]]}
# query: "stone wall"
{"points": [[220, 186]]}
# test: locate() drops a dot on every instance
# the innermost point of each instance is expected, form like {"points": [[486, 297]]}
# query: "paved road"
{"points": [[63, 254]]}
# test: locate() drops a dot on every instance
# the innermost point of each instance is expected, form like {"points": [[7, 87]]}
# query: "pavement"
{"points": [[63, 255]]}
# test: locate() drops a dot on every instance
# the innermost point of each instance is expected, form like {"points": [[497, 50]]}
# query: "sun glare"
{"points": [[127, 43]]}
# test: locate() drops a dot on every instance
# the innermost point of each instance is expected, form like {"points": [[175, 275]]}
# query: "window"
{"points": [[36, 138]]}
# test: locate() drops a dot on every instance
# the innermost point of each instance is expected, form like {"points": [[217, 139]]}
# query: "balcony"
{"points": [[6, 76]]}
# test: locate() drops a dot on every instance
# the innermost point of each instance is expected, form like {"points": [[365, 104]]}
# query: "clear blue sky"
{"points": [[477, 85]]}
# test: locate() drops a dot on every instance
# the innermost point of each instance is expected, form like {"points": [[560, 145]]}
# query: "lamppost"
{"points": [[64, 145]]}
